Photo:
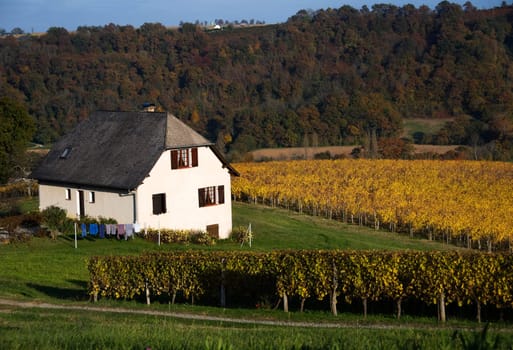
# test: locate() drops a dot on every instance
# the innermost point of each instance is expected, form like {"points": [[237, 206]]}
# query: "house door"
{"points": [[80, 204]]}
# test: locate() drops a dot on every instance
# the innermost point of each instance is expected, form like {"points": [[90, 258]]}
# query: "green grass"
{"points": [[46, 269], [40, 328], [12, 206], [427, 126], [53, 271], [282, 229], [56, 329]]}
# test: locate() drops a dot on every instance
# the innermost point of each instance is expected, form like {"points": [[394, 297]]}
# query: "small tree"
{"points": [[16, 130], [55, 219]]}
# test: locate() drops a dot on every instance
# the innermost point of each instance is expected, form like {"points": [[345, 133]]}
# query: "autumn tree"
{"points": [[16, 130]]}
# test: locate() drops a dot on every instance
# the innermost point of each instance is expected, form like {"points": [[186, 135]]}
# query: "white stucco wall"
{"points": [[181, 189], [107, 204]]}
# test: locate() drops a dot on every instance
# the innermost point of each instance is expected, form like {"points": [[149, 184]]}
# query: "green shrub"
{"points": [[202, 238], [54, 218], [180, 236], [241, 234]]}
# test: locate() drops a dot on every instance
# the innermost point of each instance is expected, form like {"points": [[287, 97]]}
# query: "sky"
{"points": [[39, 15]]}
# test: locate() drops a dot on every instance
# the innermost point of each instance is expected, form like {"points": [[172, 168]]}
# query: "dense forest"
{"points": [[329, 77]]}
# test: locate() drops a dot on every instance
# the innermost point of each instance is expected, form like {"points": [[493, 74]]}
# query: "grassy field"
{"points": [[290, 153], [281, 229], [425, 125], [46, 269], [60, 329], [54, 272]]}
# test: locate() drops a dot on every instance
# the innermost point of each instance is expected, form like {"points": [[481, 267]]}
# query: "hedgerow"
{"points": [[441, 278]]}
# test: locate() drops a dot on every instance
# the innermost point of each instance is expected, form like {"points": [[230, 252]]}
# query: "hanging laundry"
{"points": [[83, 227], [93, 229], [137, 227], [129, 231], [121, 230], [110, 229], [102, 231]]}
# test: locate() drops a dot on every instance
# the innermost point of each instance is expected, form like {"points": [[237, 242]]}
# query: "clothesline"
{"points": [[110, 230]]}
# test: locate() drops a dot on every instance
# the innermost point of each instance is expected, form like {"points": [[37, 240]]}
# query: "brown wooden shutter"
{"points": [[194, 152], [174, 159], [201, 197], [220, 191], [213, 230], [156, 204]]}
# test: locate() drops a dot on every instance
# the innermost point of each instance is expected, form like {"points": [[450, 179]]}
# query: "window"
{"points": [[91, 197], [159, 203], [68, 194], [65, 153], [184, 158], [212, 195]]}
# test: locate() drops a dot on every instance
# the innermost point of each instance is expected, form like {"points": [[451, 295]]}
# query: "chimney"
{"points": [[149, 107]]}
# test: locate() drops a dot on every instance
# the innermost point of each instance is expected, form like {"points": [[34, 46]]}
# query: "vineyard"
{"points": [[352, 276], [461, 202]]}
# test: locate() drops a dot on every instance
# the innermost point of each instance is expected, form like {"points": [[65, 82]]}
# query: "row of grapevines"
{"points": [[455, 200], [19, 189], [431, 277]]}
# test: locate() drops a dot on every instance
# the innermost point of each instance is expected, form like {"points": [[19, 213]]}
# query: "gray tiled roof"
{"points": [[116, 149]]}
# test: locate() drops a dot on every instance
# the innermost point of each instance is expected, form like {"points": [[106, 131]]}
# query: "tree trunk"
{"points": [[478, 314], [399, 307], [173, 298], [148, 302], [285, 303], [222, 292], [277, 304], [441, 308], [222, 302], [364, 301], [333, 296], [333, 303], [302, 305]]}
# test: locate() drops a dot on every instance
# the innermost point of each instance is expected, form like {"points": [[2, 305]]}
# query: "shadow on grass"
{"points": [[73, 294]]}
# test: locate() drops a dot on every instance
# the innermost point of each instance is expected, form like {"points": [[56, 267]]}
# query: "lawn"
{"points": [[282, 229], [61, 329], [45, 268], [425, 125], [54, 271]]}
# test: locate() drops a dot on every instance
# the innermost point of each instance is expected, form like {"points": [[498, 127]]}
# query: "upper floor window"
{"points": [[184, 158], [212, 195], [67, 194], [92, 197]]}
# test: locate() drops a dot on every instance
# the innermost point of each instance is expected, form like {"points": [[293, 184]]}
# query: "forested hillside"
{"points": [[330, 77]]}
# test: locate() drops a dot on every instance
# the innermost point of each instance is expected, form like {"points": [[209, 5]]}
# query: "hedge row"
{"points": [[19, 189], [430, 277], [179, 236]]}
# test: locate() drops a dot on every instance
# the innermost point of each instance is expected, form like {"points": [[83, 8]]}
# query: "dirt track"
{"points": [[199, 317]]}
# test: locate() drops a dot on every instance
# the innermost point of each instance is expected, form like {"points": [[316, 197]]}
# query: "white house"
{"points": [[139, 167]]}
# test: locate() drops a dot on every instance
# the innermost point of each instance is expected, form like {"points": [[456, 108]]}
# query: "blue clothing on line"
{"points": [[93, 229]]}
